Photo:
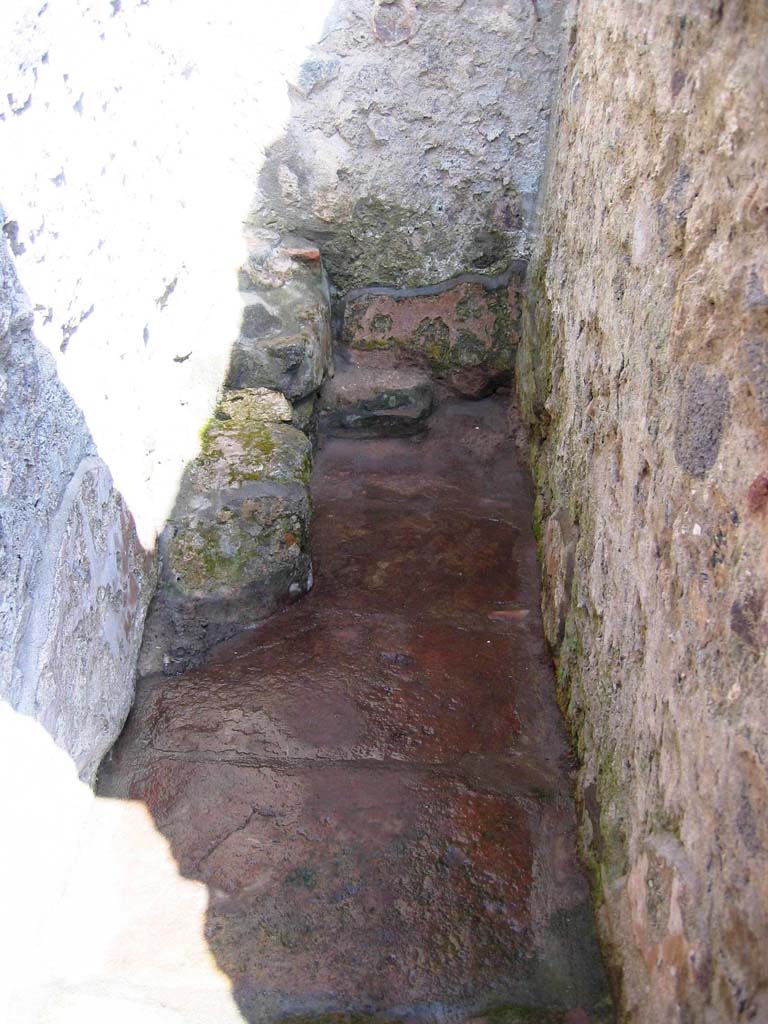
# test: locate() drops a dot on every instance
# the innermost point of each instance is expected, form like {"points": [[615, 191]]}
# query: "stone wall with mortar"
{"points": [[643, 375], [132, 136], [416, 138], [137, 130]]}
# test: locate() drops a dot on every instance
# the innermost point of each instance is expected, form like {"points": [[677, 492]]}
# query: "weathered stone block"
{"points": [[558, 552], [700, 429], [755, 350], [465, 331], [285, 334], [236, 545], [80, 645], [373, 400]]}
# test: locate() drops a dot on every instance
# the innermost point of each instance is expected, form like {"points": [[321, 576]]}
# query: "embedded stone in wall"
{"points": [[755, 350], [465, 331], [665, 895], [395, 21], [285, 333], [704, 417], [79, 649], [558, 552], [236, 545]]}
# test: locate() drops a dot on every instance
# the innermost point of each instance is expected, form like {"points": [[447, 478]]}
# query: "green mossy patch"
{"points": [[535, 351], [470, 307], [350, 257], [381, 324], [253, 439], [536, 522], [229, 532], [372, 344], [248, 440], [213, 556], [432, 338], [506, 330], [302, 876], [470, 350]]}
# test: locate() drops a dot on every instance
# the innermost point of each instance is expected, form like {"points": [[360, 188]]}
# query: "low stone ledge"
{"points": [[236, 546], [368, 399], [464, 331]]}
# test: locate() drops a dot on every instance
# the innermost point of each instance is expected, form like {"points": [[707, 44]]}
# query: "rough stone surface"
{"points": [[75, 579], [304, 416], [558, 549], [236, 546], [285, 332], [642, 375], [43, 439], [370, 792], [416, 138], [369, 398], [93, 587], [125, 224], [464, 331]]}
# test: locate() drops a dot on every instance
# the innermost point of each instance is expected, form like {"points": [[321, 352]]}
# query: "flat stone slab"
{"points": [[373, 787], [375, 400], [464, 331], [236, 545]]}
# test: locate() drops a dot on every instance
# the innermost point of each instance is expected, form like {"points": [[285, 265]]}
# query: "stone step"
{"points": [[367, 399]]}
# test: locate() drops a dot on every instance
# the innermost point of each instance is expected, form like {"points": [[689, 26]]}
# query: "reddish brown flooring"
{"points": [[374, 784]]}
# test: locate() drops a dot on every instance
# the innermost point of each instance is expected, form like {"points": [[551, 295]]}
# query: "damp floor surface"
{"points": [[361, 809]]}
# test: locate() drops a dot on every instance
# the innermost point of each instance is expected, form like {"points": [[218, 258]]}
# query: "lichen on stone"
{"points": [[248, 439]]}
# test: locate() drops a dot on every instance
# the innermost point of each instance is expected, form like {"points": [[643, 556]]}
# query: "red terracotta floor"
{"points": [[374, 785]]}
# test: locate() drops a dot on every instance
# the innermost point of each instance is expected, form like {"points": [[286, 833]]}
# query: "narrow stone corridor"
{"points": [[374, 785], [384, 512]]}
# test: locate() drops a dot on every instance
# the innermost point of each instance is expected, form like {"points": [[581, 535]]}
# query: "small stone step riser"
{"points": [[373, 425], [370, 399]]}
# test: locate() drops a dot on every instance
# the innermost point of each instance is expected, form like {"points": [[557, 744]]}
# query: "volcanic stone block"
{"points": [[236, 546], [371, 400], [558, 553], [285, 332], [464, 331], [86, 617]]}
